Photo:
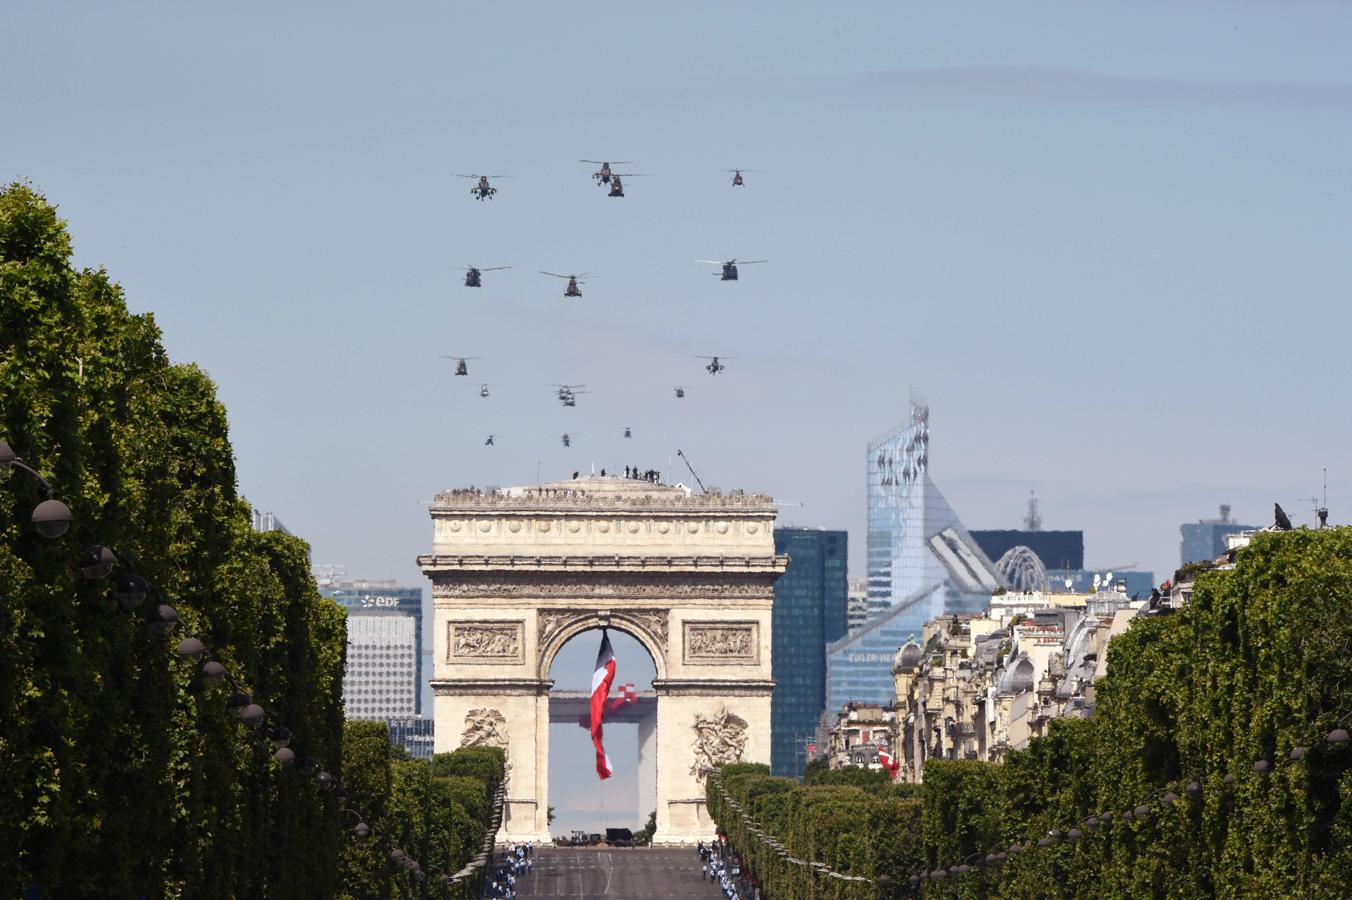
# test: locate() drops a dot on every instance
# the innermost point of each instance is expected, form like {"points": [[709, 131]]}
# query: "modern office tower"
{"points": [[266, 521], [1055, 549], [922, 564], [414, 734], [384, 658], [1206, 539], [809, 612]]}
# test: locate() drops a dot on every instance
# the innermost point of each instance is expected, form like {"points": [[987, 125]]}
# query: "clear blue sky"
{"points": [[1108, 244]]}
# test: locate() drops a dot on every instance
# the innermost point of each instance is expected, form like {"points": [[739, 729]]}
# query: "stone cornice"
{"points": [[686, 687], [432, 563], [491, 686]]}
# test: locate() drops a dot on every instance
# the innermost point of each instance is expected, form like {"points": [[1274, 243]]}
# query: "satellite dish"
{"points": [[1070, 583], [1096, 580], [1108, 577]]}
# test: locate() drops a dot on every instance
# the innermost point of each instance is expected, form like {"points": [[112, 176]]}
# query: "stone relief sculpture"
{"points": [[492, 641], [719, 739], [486, 727], [720, 643], [653, 621]]}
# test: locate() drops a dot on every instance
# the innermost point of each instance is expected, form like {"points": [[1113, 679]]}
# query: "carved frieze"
{"points": [[721, 643], [552, 620], [719, 739], [627, 586], [486, 642]]}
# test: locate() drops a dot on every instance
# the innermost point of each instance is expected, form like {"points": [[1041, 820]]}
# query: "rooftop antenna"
{"points": [[686, 460], [1032, 521], [1323, 511]]}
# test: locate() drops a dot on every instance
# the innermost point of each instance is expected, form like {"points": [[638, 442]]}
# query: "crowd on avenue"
{"points": [[716, 865], [518, 863]]}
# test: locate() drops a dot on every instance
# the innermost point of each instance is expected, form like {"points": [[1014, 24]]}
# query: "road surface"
{"points": [[617, 874]]}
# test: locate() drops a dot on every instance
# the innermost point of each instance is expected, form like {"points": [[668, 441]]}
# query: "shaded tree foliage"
{"points": [[121, 774]]}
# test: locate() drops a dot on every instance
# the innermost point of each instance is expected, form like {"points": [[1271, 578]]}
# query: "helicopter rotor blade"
{"points": [[712, 262], [555, 274], [748, 262], [495, 268]]}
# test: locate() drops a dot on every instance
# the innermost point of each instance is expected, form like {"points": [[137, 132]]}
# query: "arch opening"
{"points": [[579, 799]]}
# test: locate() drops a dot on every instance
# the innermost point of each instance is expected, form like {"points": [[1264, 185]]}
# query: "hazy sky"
{"points": [[1108, 243]]}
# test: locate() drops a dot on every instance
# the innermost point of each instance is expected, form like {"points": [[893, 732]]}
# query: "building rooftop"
{"points": [[597, 491]]}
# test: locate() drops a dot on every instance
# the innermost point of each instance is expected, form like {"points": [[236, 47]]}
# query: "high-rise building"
{"points": [[1206, 539], [1056, 549], [266, 521], [384, 656], [809, 612], [922, 564]]}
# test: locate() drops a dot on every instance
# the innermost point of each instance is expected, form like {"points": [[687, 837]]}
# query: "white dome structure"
{"points": [[1022, 570]]}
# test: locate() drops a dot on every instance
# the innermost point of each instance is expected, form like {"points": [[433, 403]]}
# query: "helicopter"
{"points": [[482, 190], [714, 366], [729, 272], [627, 432], [737, 176], [489, 442], [567, 439], [483, 390], [472, 274], [604, 175], [567, 393], [460, 367], [572, 290], [617, 186], [680, 392]]}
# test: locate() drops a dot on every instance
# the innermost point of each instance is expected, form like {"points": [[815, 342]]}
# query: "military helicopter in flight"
{"points": [[715, 365], [473, 274], [567, 393], [489, 442], [567, 439], [460, 367], [729, 267], [572, 290], [604, 175], [680, 392], [737, 176], [483, 190], [627, 432], [483, 390], [617, 186]]}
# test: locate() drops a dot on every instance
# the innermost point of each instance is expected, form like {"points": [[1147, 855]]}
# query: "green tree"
{"points": [[120, 770]]}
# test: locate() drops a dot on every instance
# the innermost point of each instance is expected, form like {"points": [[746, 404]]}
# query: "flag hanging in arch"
{"points": [[601, 681]]}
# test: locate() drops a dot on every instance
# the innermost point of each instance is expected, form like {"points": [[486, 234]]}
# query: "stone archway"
{"points": [[516, 573]]}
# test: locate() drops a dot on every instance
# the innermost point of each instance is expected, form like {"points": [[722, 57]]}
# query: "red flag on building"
{"points": [[601, 679], [888, 763]]}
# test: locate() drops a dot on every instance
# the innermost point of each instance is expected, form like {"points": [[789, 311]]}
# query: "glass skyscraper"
{"points": [[922, 564], [810, 611]]}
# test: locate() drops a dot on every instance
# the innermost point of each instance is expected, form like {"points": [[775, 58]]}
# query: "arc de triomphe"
{"points": [[517, 572]]}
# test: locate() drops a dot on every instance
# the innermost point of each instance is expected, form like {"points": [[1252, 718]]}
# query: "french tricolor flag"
{"points": [[601, 681]]}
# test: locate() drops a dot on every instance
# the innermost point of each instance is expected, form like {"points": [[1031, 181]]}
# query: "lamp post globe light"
{"points": [[51, 517]]}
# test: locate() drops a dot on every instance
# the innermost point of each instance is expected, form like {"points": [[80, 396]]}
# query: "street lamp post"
{"points": [[51, 517]]}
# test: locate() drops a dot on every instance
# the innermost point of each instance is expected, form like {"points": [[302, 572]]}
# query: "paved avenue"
{"points": [[617, 874]]}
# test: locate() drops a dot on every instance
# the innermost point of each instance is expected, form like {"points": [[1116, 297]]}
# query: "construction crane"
{"points": [[686, 460]]}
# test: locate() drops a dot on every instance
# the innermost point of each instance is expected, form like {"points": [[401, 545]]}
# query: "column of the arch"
{"points": [[647, 764]]}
